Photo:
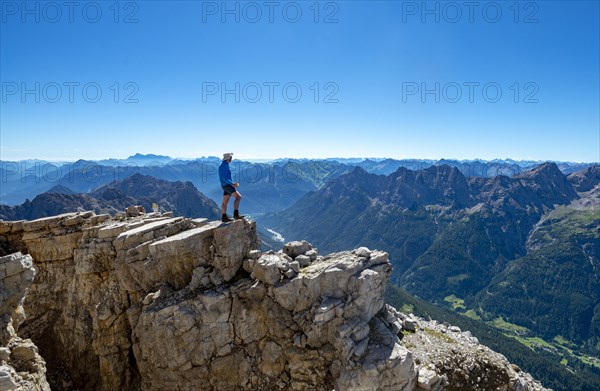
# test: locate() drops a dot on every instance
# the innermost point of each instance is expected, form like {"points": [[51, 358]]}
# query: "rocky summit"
{"points": [[153, 302]]}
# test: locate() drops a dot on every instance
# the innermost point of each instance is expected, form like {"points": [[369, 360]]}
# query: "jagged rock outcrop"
{"points": [[21, 367], [162, 303]]}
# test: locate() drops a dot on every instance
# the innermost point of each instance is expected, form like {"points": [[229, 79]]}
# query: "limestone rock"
{"points": [[428, 379], [363, 252], [232, 243], [134, 210], [459, 361], [254, 254], [312, 254], [8, 377], [16, 274], [268, 268], [303, 260], [293, 249], [154, 302], [21, 367]]}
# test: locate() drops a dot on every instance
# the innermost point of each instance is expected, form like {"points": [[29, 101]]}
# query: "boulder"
{"points": [[267, 269], [302, 260], [293, 249]]}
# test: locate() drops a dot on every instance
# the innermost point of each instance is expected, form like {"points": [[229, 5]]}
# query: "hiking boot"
{"points": [[225, 218], [237, 215]]}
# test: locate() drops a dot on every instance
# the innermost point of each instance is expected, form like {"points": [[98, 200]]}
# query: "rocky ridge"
{"points": [[161, 303]]}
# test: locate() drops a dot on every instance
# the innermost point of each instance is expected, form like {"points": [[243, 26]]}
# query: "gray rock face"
{"points": [[162, 303], [21, 367], [16, 274]]}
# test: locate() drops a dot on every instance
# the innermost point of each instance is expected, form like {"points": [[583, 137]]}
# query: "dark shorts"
{"points": [[228, 190]]}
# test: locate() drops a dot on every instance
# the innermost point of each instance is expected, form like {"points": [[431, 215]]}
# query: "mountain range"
{"points": [[517, 252], [521, 252], [267, 186], [181, 198]]}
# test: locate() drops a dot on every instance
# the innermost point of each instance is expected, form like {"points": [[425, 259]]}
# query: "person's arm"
{"points": [[225, 173], [229, 179]]}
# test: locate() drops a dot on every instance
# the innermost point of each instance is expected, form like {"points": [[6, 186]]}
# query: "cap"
{"points": [[227, 155]]}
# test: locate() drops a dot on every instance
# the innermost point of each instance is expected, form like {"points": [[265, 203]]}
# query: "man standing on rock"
{"points": [[229, 189]]}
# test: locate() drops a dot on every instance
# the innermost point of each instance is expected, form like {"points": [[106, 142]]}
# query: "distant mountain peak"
{"points": [[586, 179], [60, 189], [546, 169], [149, 156], [358, 170]]}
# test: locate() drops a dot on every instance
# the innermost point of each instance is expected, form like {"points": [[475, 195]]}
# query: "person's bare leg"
{"points": [[238, 198], [224, 204]]}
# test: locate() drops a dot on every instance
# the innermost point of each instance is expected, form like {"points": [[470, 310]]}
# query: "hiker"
{"points": [[229, 189]]}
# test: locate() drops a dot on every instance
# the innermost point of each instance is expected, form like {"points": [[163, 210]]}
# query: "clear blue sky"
{"points": [[361, 78]]}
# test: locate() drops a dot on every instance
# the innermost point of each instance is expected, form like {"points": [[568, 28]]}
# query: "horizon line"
{"points": [[269, 160]]}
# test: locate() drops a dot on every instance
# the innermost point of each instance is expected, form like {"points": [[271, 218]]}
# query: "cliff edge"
{"points": [[161, 303]]}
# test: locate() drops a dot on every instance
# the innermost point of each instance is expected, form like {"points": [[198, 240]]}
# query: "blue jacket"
{"points": [[225, 174]]}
